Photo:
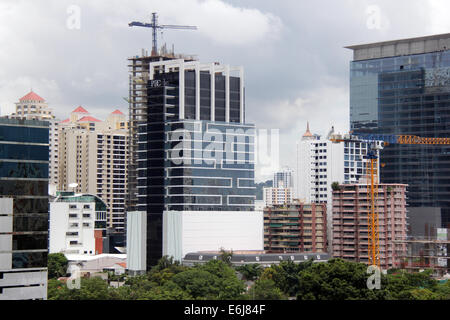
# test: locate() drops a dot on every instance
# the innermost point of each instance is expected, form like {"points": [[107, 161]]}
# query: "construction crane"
{"points": [[155, 26], [372, 174]]}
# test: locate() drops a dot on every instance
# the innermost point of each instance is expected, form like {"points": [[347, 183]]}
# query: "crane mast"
{"points": [[155, 26], [372, 175]]}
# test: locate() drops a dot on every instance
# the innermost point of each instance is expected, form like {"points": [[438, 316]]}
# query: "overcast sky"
{"points": [[296, 69]]}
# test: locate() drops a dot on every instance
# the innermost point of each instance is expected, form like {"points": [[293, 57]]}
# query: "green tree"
{"points": [[226, 256], [250, 271], [337, 280], [214, 280], [335, 186], [286, 275], [265, 289], [57, 265]]}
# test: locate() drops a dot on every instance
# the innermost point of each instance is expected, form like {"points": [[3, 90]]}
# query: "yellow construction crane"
{"points": [[372, 174]]}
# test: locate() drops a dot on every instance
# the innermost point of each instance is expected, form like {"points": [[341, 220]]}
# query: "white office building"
{"points": [[320, 162]]}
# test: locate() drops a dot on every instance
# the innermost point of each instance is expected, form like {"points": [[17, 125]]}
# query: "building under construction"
{"points": [[425, 252], [139, 68]]}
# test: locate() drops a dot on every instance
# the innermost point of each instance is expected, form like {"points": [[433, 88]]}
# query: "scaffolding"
{"points": [[425, 252], [139, 67]]}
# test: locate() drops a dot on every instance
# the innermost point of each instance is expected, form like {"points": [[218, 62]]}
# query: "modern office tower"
{"points": [[277, 196], [195, 151], [93, 157], [351, 205], [77, 224], [139, 70], [402, 87], [296, 227], [283, 178], [34, 107], [23, 208]]}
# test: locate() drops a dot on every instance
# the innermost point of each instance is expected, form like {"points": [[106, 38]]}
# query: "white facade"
{"points": [[137, 241], [276, 196], [193, 231], [16, 284], [283, 178], [320, 162], [72, 227]]}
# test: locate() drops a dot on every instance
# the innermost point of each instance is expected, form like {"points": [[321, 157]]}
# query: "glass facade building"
{"points": [[24, 149], [195, 153], [403, 88]]}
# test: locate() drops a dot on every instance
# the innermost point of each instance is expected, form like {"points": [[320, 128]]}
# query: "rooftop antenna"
{"points": [[155, 26]]}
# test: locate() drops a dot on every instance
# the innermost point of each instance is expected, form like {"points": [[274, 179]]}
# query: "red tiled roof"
{"points": [[117, 112], [66, 120], [88, 119], [80, 109], [31, 96]]}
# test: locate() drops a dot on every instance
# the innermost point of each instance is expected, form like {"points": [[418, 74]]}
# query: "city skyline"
{"points": [[302, 71]]}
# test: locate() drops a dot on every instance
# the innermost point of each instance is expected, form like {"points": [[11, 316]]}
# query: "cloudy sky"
{"points": [[296, 68]]}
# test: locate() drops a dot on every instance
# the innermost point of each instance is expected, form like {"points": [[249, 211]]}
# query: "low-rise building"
{"points": [[77, 224], [261, 257]]}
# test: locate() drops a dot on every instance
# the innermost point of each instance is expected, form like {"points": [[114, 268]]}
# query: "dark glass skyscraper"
{"points": [[24, 148], [195, 152], [403, 87]]}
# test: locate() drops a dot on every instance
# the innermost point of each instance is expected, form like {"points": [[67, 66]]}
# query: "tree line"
{"points": [[219, 280]]}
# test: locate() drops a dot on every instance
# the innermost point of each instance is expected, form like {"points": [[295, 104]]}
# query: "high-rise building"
{"points": [[283, 178], [34, 107], [401, 87], [277, 196], [295, 227], [24, 149], [282, 190], [351, 205], [93, 157], [320, 163], [195, 151]]}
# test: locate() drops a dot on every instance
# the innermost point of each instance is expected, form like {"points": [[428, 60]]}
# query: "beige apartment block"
{"points": [[350, 225], [93, 157]]}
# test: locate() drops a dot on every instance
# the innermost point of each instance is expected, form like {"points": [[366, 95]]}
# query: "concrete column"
{"points": [[241, 76], [213, 92], [197, 91], [227, 93], [181, 91]]}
